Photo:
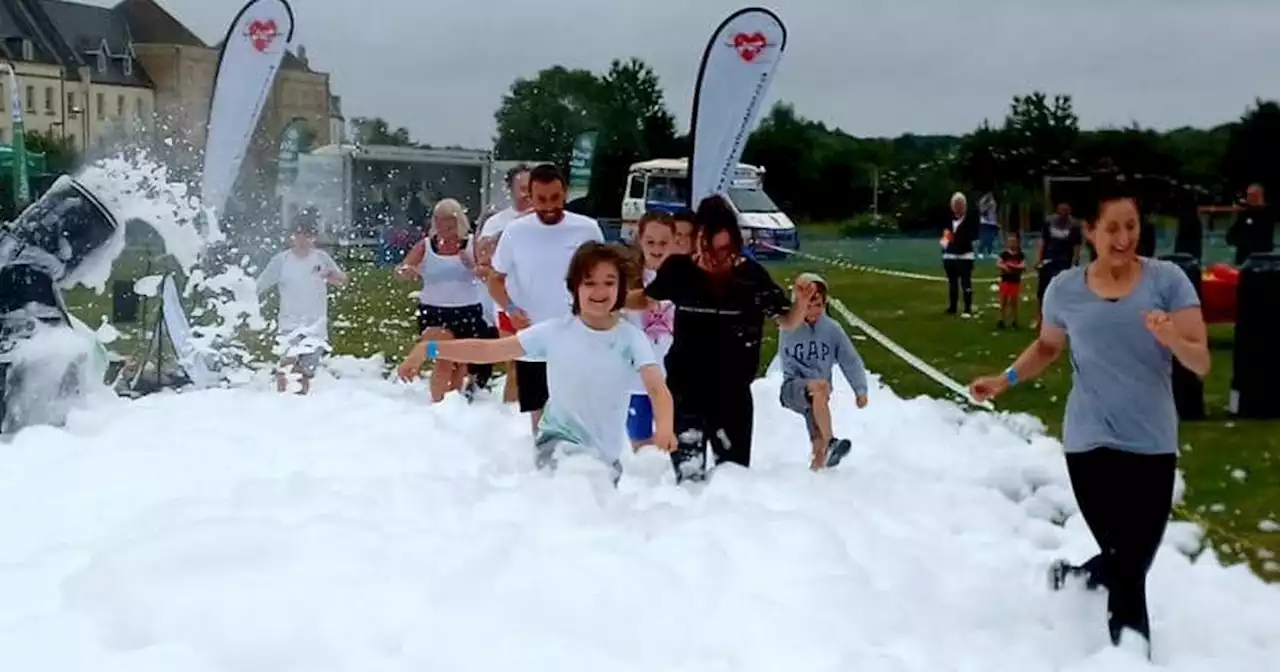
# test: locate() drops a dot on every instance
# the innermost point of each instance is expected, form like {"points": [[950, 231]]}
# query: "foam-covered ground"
{"points": [[361, 529]]}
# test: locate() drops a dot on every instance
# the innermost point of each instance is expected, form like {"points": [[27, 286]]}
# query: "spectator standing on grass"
{"points": [[1125, 319], [957, 253], [303, 274], [1254, 228], [989, 225], [529, 268], [1060, 243]]}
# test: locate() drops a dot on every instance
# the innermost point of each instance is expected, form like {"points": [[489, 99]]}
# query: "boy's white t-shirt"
{"points": [[589, 377], [304, 294], [658, 324], [535, 258]]}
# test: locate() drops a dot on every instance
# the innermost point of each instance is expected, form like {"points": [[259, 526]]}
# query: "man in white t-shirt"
{"points": [[530, 266], [303, 273], [517, 180]]}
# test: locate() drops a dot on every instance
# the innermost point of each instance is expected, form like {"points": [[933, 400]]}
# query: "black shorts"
{"points": [[461, 321], [531, 386]]}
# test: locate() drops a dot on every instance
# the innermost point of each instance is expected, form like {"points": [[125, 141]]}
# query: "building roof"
{"points": [[17, 23], [152, 24], [87, 31]]}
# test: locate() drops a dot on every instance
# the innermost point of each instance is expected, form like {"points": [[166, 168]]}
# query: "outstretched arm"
{"points": [[663, 407], [437, 344]]}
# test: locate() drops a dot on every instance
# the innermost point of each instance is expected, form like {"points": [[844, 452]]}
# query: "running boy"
{"points": [[809, 351], [592, 357], [1011, 266], [303, 273]]}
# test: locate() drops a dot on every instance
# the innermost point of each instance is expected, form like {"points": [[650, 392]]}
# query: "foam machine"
{"points": [[49, 242]]}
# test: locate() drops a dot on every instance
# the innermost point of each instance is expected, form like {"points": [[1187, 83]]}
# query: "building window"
{"points": [[120, 107], [48, 100], [102, 106], [71, 102], [28, 51], [102, 60], [71, 140], [3, 140], [128, 66], [31, 99], [138, 110]]}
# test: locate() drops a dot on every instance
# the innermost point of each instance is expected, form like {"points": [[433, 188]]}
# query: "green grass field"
{"points": [[1230, 466]]}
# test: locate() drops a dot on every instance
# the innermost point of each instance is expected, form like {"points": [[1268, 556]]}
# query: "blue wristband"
{"points": [[432, 350], [1011, 376]]}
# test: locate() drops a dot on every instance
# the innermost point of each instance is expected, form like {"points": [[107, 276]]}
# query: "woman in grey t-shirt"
{"points": [[1125, 318]]}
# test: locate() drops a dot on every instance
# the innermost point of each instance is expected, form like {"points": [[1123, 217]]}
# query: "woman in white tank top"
{"points": [[451, 295]]}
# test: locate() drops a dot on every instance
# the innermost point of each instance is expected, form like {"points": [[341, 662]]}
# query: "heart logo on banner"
{"points": [[262, 34], [749, 46]]}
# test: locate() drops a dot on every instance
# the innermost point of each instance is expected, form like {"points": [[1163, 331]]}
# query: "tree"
{"points": [[540, 118], [60, 154], [1251, 149], [376, 131]]}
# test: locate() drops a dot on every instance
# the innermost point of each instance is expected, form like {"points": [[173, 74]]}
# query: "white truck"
{"points": [[662, 185]]}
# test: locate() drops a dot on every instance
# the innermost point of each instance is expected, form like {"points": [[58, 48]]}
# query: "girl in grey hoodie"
{"points": [[808, 353]]}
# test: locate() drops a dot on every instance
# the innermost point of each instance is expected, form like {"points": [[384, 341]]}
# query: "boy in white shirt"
{"points": [[303, 273], [529, 268], [591, 358]]}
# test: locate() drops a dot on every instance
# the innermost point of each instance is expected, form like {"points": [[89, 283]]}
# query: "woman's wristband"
{"points": [[433, 350], [1011, 376]]}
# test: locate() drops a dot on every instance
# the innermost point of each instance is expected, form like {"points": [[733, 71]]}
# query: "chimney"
{"points": [[302, 56]]}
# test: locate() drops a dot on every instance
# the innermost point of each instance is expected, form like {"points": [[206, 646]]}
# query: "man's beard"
{"points": [[550, 216]]}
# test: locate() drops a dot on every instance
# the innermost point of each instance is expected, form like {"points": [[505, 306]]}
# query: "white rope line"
{"points": [[902, 353], [861, 268]]}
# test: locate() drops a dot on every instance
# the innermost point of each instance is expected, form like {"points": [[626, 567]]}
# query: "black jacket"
{"points": [[962, 238]]}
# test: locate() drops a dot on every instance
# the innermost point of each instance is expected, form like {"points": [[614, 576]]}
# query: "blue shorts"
{"points": [[640, 418]]}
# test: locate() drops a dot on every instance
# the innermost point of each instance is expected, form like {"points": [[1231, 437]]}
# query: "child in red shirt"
{"points": [[1011, 266]]}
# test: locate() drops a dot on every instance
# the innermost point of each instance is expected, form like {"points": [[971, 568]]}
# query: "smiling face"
{"points": [[445, 226], [548, 200], [1115, 233], [682, 241], [657, 244], [598, 291]]}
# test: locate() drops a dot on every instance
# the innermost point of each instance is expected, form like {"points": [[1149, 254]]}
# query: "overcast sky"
{"points": [[871, 67]]}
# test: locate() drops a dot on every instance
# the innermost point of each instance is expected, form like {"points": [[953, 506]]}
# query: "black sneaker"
{"points": [[469, 390], [836, 450], [1000, 324]]}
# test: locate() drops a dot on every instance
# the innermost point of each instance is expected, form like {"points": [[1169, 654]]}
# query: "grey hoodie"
{"points": [[810, 351]]}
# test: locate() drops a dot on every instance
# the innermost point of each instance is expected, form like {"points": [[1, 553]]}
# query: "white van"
{"points": [[662, 185]]}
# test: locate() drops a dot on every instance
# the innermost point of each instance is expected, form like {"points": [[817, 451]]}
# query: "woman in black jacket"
{"points": [[957, 253]]}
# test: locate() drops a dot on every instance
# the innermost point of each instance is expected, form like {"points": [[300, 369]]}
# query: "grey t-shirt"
{"points": [[1121, 386]]}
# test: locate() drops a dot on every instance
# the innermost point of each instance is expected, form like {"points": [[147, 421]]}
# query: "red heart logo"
{"points": [[262, 34], [749, 46]]}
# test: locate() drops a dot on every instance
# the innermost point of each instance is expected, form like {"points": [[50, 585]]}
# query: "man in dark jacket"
{"points": [[957, 253], [1254, 230]]}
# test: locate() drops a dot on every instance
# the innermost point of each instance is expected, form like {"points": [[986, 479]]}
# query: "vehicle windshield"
{"points": [[668, 189], [752, 201]]}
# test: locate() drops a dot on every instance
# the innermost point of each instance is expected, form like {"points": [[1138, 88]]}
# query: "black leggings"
{"points": [[959, 278], [462, 322], [721, 418], [1125, 499]]}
